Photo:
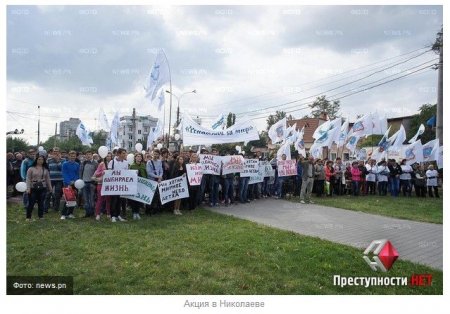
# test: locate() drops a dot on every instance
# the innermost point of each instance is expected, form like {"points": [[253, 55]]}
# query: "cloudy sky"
{"points": [[250, 60]]}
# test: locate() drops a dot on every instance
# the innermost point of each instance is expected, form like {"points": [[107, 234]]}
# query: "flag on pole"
{"points": [[218, 122], [159, 75], [155, 132], [329, 134], [397, 139], [414, 153], [83, 134], [277, 132], [419, 133], [300, 143], [352, 141], [161, 99], [316, 151], [114, 129], [431, 150], [440, 160], [285, 149], [291, 133], [102, 120], [363, 126], [343, 134]]}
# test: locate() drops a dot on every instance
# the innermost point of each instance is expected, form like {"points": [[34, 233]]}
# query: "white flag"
{"points": [[352, 141], [316, 151], [285, 149], [419, 132], [159, 75], [155, 132], [414, 153], [440, 160], [291, 133], [379, 124], [161, 99], [300, 143], [431, 150], [277, 132], [363, 126], [219, 122], [114, 130], [329, 134], [102, 120], [343, 134], [397, 139], [83, 134]]}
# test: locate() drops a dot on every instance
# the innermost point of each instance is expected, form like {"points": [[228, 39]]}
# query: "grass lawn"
{"points": [[411, 208], [198, 253]]}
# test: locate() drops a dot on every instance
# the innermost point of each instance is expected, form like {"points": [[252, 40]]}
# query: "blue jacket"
{"points": [[26, 164], [70, 172]]}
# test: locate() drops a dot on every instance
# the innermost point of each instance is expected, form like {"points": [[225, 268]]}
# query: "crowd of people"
{"points": [[49, 175]]}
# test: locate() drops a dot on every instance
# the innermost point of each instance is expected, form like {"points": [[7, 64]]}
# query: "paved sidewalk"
{"points": [[418, 242]]}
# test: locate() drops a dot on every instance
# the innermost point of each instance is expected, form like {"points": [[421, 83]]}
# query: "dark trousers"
{"points": [[382, 188], [430, 191], [135, 206], [228, 193], [56, 195], [118, 206], [421, 191], [36, 196], [355, 187], [405, 186], [319, 187], [193, 197], [370, 186]]}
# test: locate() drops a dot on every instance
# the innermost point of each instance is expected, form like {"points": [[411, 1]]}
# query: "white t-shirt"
{"points": [[406, 172], [118, 165], [371, 176], [382, 172], [432, 176]]}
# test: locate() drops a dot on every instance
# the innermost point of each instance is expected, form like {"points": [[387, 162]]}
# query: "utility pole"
{"points": [[39, 125], [133, 120], [439, 109], [56, 130]]}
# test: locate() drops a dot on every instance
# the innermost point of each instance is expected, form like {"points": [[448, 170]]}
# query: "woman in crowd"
{"points": [[356, 178], [98, 176], [178, 169], [329, 177], [382, 176], [140, 166], [193, 189], [38, 183], [405, 178], [319, 172], [420, 184], [432, 181]]}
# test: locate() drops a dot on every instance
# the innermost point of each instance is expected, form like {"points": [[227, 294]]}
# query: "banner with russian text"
{"points": [[287, 168], [268, 170], [195, 134], [119, 182], [194, 173], [259, 177], [173, 189], [210, 164], [232, 164], [145, 191], [251, 168]]}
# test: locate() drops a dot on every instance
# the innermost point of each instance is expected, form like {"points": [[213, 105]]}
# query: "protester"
{"points": [[70, 173], [87, 170], [140, 166], [405, 178], [307, 180], [432, 181], [178, 169], [118, 204], [38, 182], [371, 177], [394, 177], [26, 164], [329, 177], [102, 199], [339, 174], [356, 178], [420, 182], [55, 168], [382, 176], [155, 173], [193, 189], [319, 173]]}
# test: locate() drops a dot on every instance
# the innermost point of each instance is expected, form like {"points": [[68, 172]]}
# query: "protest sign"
{"points": [[259, 177], [119, 182], [210, 164], [194, 173], [173, 189], [287, 168], [145, 191], [251, 168], [268, 170], [232, 164]]}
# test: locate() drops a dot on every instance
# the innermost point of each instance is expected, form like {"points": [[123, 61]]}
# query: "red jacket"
{"points": [[356, 174], [328, 173]]}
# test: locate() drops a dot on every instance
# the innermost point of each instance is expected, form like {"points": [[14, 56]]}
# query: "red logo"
{"points": [[384, 255]]}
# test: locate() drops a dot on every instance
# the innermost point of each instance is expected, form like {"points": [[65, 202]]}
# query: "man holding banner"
{"points": [[117, 203]]}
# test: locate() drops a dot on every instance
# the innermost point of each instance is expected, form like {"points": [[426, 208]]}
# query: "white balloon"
{"points": [[41, 148], [177, 137], [138, 147], [243, 152], [238, 148], [159, 146], [117, 147], [143, 152], [79, 184], [103, 151], [130, 158], [21, 186]]}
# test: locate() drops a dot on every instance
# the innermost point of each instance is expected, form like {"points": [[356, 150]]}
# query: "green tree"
{"points": [[231, 119], [426, 111], [274, 118], [262, 142], [371, 140], [322, 104], [16, 144]]}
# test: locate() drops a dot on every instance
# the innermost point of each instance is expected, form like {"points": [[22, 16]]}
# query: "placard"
{"points": [[145, 191], [119, 182], [194, 173], [287, 168], [232, 164], [173, 189], [251, 168], [210, 164]]}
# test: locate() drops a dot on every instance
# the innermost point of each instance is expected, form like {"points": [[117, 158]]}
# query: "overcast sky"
{"points": [[73, 60]]}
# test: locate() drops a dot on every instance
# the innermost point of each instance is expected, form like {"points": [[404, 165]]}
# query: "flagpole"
{"points": [[170, 107]]}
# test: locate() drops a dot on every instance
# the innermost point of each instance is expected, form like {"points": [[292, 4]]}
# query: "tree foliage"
{"points": [[322, 104], [274, 118], [16, 144], [426, 111]]}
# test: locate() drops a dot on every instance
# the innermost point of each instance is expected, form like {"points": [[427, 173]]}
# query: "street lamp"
{"points": [[178, 106]]}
